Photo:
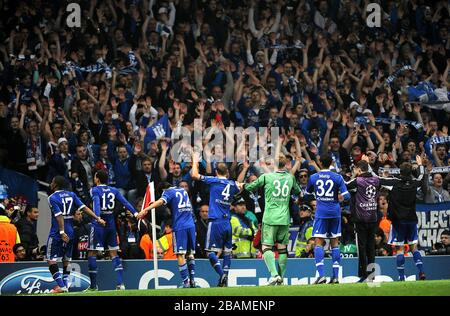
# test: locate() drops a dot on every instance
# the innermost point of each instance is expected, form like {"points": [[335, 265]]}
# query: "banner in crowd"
{"points": [[433, 220], [445, 169], [157, 131], [34, 277], [19, 185]]}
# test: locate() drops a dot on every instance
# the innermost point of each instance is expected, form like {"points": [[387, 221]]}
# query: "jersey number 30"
{"points": [[325, 188]]}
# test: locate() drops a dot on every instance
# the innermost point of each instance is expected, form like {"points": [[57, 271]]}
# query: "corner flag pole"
{"points": [[155, 253], [148, 199], [154, 240]]}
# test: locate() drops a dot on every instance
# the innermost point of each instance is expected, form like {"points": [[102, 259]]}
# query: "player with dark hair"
{"points": [[219, 236], [183, 230], [326, 186], [364, 189], [104, 201], [402, 213], [63, 205]]}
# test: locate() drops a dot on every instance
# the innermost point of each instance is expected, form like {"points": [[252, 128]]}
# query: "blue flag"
{"points": [[157, 131], [19, 184]]}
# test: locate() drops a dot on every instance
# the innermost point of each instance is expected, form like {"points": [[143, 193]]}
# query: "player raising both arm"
{"points": [[278, 187], [219, 236], [177, 199], [327, 222], [402, 213], [63, 205], [104, 201]]}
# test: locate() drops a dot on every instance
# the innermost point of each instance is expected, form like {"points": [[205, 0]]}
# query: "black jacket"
{"points": [[81, 240], [201, 228], [402, 198], [77, 166], [142, 182], [27, 233]]}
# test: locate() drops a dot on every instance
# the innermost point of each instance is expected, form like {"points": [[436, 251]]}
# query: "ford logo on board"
{"points": [[39, 280]]}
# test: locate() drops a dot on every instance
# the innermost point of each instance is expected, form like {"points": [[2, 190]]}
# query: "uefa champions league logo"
{"points": [[371, 192]]}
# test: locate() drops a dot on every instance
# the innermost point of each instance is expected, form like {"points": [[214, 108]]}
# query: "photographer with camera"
{"points": [[26, 227], [443, 247], [243, 230]]}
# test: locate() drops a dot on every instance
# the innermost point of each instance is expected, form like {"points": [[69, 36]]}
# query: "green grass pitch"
{"points": [[420, 288]]}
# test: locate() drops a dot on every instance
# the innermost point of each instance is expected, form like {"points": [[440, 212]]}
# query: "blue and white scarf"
{"points": [[394, 76], [383, 120]]}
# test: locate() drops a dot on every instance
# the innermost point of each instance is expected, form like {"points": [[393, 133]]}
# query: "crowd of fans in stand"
{"points": [[77, 100]]}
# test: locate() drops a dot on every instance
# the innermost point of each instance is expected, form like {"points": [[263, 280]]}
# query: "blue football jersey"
{"points": [[104, 201], [326, 185], [221, 193], [182, 213], [63, 203]]}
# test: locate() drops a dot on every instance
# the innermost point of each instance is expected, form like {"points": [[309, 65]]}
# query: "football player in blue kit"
{"points": [[63, 205], [183, 229], [104, 200], [219, 235], [326, 185]]}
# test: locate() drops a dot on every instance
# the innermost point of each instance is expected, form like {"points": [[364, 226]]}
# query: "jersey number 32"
{"points": [[325, 188]]}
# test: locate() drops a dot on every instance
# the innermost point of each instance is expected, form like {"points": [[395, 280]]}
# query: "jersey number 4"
{"points": [[226, 192], [325, 188]]}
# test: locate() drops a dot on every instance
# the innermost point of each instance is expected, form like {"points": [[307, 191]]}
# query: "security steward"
{"points": [[243, 231], [8, 232]]}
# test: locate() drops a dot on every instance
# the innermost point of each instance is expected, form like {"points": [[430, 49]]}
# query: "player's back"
{"points": [[63, 203], [326, 186], [221, 193], [277, 191], [104, 202], [182, 213]]}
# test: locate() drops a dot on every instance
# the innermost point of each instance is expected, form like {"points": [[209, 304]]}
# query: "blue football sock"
{"points": [[66, 275], [184, 273], [418, 260], [215, 263], [401, 266], [318, 256], [191, 268], [226, 263], [119, 269], [58, 279], [57, 276], [336, 257], [92, 265]]}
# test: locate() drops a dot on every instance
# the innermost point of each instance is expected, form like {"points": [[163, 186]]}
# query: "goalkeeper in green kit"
{"points": [[278, 187]]}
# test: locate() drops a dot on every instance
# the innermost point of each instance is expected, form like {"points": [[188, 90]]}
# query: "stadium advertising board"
{"points": [[433, 220], [34, 277]]}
